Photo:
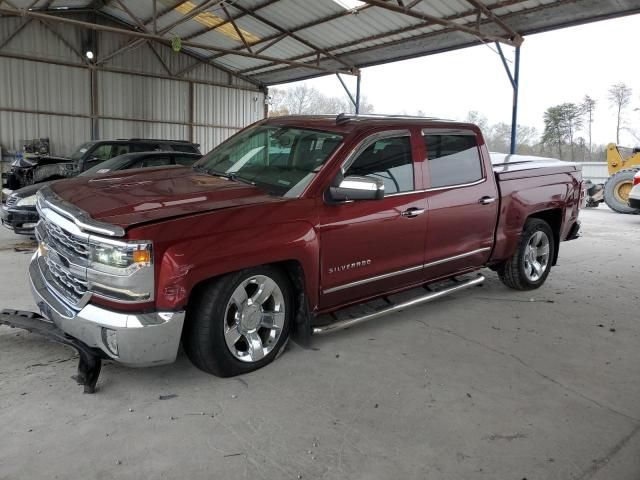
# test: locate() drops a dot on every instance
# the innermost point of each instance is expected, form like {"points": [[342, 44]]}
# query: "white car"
{"points": [[634, 194]]}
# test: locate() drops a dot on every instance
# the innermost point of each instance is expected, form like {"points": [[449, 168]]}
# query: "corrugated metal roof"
{"points": [[329, 38]]}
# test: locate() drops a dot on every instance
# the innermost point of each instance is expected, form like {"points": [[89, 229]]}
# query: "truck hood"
{"points": [[140, 196]]}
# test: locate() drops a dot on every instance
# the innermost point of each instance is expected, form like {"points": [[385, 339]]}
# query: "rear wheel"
{"points": [[616, 191], [529, 266], [239, 322]]}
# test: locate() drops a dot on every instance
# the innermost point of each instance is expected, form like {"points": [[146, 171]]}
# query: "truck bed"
{"points": [[528, 184]]}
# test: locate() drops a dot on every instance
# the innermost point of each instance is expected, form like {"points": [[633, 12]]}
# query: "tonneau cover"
{"points": [[509, 167]]}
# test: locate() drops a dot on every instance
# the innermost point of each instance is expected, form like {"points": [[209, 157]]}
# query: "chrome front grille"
{"points": [[65, 241], [63, 255], [67, 284]]}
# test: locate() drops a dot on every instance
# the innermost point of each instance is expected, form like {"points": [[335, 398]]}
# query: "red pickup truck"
{"points": [[289, 220]]}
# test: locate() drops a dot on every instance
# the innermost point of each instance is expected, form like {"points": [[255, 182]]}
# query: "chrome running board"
{"points": [[350, 322]]}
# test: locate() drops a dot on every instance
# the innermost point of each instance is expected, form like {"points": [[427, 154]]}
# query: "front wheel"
{"points": [[529, 266], [239, 322]]}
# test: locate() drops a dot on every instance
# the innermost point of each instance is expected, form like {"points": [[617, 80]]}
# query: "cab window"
{"points": [[453, 159], [388, 159]]}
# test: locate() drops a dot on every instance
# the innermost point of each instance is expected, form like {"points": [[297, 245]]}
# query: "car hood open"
{"points": [[130, 198]]}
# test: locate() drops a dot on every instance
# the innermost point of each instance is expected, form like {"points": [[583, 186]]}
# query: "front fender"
{"points": [[187, 263]]}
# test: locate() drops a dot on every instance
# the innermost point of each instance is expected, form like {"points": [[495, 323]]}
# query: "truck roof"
{"points": [[346, 123]]}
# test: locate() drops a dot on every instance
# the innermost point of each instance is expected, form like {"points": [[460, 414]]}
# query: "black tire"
{"points": [[611, 194], [512, 271], [203, 337]]}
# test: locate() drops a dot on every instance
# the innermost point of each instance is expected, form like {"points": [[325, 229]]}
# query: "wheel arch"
{"points": [[553, 217], [294, 270]]}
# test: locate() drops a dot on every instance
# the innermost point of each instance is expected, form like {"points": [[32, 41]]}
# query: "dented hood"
{"points": [[146, 195]]}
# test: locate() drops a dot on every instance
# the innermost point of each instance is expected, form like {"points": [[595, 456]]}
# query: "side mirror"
{"points": [[357, 188]]}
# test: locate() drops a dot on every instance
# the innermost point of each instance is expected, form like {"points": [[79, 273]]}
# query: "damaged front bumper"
{"points": [[135, 339]]}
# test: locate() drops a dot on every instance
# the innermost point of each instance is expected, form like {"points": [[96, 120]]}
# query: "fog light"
{"points": [[29, 225], [110, 339]]}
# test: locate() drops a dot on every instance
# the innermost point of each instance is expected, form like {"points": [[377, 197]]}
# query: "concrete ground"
{"points": [[487, 384]]}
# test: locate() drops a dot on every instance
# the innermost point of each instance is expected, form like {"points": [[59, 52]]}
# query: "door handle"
{"points": [[412, 212], [486, 200]]}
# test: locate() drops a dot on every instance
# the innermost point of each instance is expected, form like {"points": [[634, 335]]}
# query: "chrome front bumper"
{"points": [[144, 339]]}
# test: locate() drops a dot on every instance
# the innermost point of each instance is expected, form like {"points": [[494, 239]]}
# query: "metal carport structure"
{"points": [[265, 42]]}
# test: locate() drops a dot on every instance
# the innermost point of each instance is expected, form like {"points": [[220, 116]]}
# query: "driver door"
{"points": [[369, 247]]}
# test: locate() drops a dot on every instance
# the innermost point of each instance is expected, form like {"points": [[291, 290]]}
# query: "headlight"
{"points": [[121, 270], [27, 201], [123, 255]]}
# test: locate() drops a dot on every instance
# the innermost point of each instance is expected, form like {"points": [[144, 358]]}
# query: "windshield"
{"points": [[80, 151], [115, 163], [281, 160]]}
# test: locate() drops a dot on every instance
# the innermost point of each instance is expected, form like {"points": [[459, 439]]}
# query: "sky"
{"points": [[555, 67]]}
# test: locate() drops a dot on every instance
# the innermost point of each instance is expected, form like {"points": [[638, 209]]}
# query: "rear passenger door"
{"points": [[462, 202]]}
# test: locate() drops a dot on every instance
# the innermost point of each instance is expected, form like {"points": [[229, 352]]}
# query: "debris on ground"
{"points": [[167, 397]]}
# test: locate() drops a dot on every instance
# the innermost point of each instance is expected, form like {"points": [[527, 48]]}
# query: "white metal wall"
{"points": [[39, 99], [597, 172]]}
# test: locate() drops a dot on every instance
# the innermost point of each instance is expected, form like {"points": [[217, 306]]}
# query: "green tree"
{"points": [[561, 123], [555, 133], [620, 99], [588, 107]]}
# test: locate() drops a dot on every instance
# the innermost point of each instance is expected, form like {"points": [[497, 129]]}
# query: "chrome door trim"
{"points": [[371, 279], [435, 189], [456, 257], [458, 185], [364, 281]]}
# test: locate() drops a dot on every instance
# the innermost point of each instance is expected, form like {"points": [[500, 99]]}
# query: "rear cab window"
{"points": [[453, 158]]}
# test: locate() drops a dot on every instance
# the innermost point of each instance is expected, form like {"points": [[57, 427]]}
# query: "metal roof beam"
{"points": [[441, 21], [235, 27], [380, 36], [276, 38], [166, 41], [208, 29], [13, 34], [135, 43], [515, 36], [24, 23], [292, 35], [198, 59]]}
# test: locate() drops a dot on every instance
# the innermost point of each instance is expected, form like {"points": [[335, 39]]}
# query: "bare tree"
{"points": [[304, 100], [620, 98], [588, 107]]}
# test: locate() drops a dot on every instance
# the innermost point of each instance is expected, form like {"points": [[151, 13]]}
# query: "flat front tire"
{"points": [[529, 266], [240, 321]]}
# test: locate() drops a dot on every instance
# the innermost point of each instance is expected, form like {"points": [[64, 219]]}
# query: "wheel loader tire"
{"points": [[616, 191]]}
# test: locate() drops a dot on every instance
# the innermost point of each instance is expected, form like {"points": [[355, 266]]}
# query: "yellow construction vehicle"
{"points": [[615, 191]]}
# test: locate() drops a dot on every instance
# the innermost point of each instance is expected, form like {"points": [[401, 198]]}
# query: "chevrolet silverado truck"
{"points": [[294, 226]]}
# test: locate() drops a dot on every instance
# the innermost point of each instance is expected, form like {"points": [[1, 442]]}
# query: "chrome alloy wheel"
{"points": [[536, 256], [254, 318]]}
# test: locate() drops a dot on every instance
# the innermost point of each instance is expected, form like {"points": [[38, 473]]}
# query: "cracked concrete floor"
{"points": [[487, 384]]}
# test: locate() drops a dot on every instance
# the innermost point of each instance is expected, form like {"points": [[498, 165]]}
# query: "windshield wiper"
{"points": [[234, 177], [229, 176]]}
